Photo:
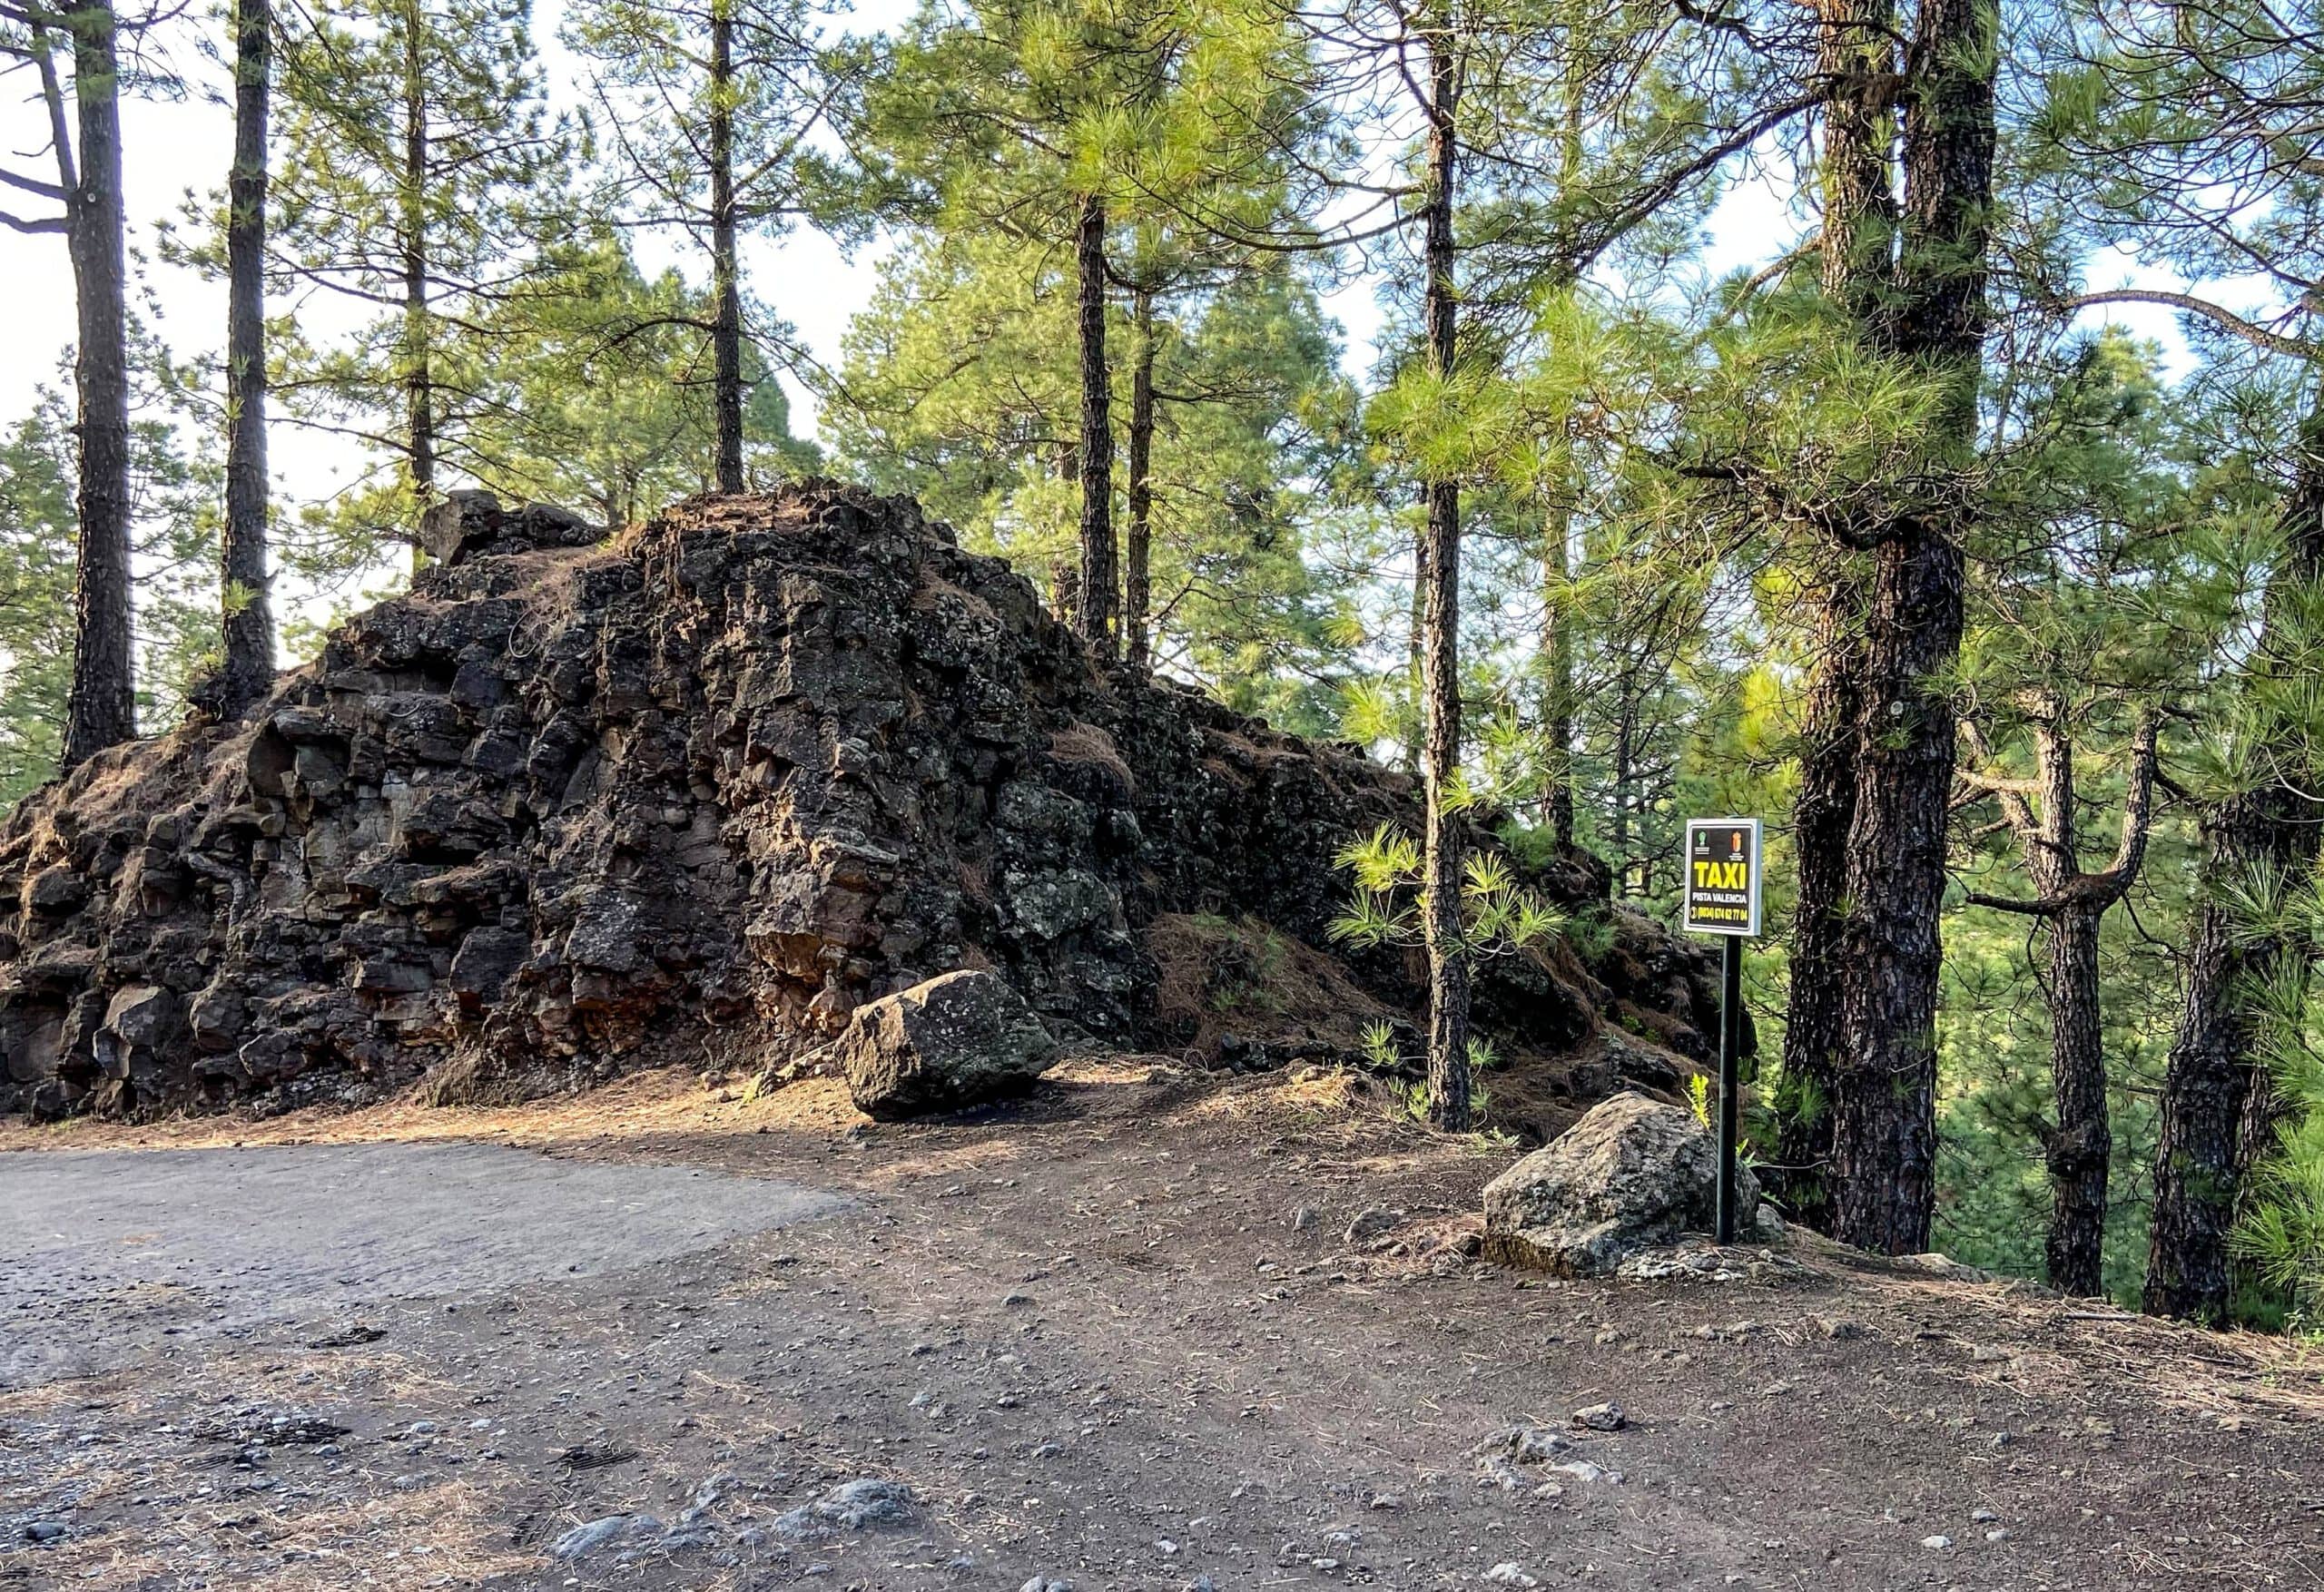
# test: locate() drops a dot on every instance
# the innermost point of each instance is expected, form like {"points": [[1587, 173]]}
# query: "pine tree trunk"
{"points": [[2206, 1140], [1415, 651], [1619, 829], [1884, 1123], [1137, 578], [1448, 956], [2081, 1144], [1856, 55], [1098, 574], [101, 709], [726, 291], [1884, 1108], [1823, 809], [1557, 709], [2206, 1081], [419, 387], [248, 618]]}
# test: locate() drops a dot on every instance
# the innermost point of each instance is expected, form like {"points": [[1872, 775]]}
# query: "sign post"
{"points": [[1723, 898]]}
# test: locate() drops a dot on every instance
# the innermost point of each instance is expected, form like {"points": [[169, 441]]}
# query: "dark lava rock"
{"points": [[471, 525], [962, 1039], [696, 795]]}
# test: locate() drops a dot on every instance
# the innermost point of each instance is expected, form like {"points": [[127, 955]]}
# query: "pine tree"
{"points": [[961, 386], [85, 145], [1070, 127], [2149, 119], [246, 599], [713, 106], [420, 173], [1884, 1129], [595, 395]]}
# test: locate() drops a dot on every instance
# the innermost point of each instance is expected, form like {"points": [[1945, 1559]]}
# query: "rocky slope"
{"points": [[693, 794]]}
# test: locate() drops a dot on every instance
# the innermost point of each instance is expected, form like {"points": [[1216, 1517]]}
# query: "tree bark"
{"points": [[419, 388], [1099, 602], [1557, 685], [101, 707], [1137, 578], [1883, 1108], [248, 616], [2206, 1141], [1884, 1123], [1823, 809], [2081, 1144], [1448, 956], [726, 288], [1856, 58], [1857, 55], [2208, 1080], [1623, 760]]}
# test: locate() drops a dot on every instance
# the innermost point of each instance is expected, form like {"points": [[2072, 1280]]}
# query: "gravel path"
{"points": [[225, 1240], [1130, 1336]]}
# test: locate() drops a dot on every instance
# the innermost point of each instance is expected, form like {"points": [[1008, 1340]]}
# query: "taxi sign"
{"points": [[1722, 877]]}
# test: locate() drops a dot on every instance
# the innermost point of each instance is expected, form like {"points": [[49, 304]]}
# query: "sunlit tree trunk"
{"points": [[248, 618], [101, 710], [726, 288], [1448, 956]]}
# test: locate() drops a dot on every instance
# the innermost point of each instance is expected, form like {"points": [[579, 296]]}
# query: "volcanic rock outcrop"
{"points": [[693, 795]]}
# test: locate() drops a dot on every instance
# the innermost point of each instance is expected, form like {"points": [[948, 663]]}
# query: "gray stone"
{"points": [[1936, 1265], [1606, 1416], [1520, 1445], [603, 1532], [962, 1039], [1587, 1470], [851, 1506], [1631, 1175]]}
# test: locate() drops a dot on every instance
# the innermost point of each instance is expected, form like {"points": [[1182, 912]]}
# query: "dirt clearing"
{"points": [[1117, 1337]]}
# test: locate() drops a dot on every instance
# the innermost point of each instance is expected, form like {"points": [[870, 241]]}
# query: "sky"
{"points": [[174, 148]]}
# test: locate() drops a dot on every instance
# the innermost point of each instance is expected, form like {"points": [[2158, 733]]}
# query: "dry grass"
{"points": [[1090, 746], [1217, 976]]}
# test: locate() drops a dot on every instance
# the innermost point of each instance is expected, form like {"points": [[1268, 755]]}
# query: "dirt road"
{"points": [[1119, 1338]]}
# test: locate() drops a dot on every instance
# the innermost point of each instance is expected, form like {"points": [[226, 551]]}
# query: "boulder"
{"points": [[471, 524], [958, 1040], [1632, 1174]]}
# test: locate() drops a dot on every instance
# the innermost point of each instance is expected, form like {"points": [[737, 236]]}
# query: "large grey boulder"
{"points": [[957, 1040], [1632, 1174]]}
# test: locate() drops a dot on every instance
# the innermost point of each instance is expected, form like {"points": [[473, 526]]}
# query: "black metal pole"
{"points": [[1730, 1048]]}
